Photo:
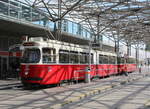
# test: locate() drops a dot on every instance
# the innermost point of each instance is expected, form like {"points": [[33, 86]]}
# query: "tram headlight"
{"points": [[26, 73]]}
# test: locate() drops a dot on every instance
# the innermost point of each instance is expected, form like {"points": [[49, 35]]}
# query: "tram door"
{"points": [[0, 67], [14, 61], [3, 67], [14, 65]]}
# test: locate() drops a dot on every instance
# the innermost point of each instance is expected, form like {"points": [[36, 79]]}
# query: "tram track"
{"points": [[14, 92], [10, 86]]}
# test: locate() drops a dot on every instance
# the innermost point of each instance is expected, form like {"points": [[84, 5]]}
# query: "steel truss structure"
{"points": [[127, 20]]}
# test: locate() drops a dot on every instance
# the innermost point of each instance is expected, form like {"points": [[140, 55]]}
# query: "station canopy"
{"points": [[127, 20]]}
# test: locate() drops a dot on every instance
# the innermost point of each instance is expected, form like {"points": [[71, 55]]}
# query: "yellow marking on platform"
{"points": [[82, 96], [74, 99], [103, 88], [56, 106], [87, 94], [92, 92], [95, 91], [66, 102]]}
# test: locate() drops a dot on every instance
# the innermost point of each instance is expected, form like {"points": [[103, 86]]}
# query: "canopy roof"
{"points": [[127, 20]]}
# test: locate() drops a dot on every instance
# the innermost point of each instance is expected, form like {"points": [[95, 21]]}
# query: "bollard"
{"points": [[87, 75]]}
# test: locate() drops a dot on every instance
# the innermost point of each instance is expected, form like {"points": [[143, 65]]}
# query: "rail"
{"points": [[10, 85]]}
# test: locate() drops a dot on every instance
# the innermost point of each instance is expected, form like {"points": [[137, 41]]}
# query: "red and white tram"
{"points": [[51, 62]]}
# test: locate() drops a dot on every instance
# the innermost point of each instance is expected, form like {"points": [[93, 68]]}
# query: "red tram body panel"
{"points": [[53, 74], [127, 67]]}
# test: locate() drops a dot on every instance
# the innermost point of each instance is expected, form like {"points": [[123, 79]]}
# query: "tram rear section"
{"points": [[52, 62]]}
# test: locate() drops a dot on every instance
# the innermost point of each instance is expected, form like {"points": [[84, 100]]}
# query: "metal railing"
{"points": [[22, 13]]}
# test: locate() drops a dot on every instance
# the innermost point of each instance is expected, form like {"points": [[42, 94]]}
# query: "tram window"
{"points": [[63, 56], [133, 61], [118, 60], [122, 60], [130, 60], [100, 59], [112, 60], [83, 58], [74, 57], [31, 55], [91, 58], [105, 59], [86, 58], [49, 55]]}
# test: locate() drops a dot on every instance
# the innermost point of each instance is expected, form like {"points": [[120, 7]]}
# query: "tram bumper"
{"points": [[31, 80]]}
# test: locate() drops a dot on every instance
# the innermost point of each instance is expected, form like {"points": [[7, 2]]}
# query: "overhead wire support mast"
{"points": [[88, 69], [58, 32]]}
